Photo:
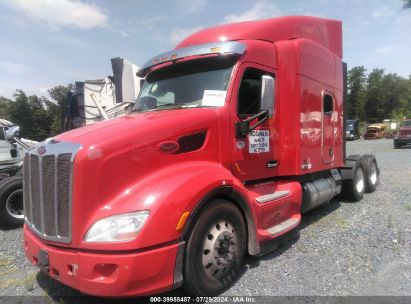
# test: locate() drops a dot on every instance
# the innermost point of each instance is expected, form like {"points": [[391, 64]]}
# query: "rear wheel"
{"points": [[215, 249], [353, 189], [371, 172]]}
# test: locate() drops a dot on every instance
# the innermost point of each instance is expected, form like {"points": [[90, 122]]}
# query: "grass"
{"points": [[7, 272], [27, 282], [333, 220], [4, 262]]}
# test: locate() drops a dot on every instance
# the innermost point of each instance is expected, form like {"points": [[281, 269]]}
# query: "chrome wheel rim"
{"points": [[373, 173], [219, 249], [14, 204], [359, 180]]}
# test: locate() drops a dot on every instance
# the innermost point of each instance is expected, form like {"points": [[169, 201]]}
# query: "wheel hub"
{"points": [[360, 180], [220, 246], [373, 173]]}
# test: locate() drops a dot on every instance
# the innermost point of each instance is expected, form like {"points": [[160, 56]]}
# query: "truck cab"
{"points": [[235, 133], [403, 137], [10, 155]]}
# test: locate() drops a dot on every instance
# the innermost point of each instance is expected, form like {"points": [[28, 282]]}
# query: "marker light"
{"points": [[117, 228]]}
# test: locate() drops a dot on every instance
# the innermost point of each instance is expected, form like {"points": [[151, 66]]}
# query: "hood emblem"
{"points": [[41, 150], [169, 146]]}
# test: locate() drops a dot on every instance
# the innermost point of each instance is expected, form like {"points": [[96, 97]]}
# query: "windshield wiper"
{"points": [[172, 105]]}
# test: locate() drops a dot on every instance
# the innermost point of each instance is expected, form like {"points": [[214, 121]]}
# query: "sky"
{"points": [[51, 42]]}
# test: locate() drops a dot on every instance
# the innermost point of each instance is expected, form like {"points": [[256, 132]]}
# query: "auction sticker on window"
{"points": [[213, 98], [259, 141]]}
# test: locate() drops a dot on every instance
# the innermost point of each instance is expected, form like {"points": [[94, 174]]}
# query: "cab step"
{"points": [[285, 225]]}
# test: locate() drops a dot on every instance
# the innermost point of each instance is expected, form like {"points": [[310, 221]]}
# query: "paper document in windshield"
{"points": [[213, 98]]}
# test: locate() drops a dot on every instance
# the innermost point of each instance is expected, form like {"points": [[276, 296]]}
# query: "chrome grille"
{"points": [[47, 183], [63, 193]]}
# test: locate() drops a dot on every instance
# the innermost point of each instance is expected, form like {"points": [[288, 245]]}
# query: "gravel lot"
{"points": [[358, 249]]}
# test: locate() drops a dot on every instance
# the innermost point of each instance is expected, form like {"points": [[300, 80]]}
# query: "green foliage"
{"points": [[356, 91], [377, 96], [37, 117]]}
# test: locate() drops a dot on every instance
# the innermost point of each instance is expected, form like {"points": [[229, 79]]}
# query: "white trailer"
{"points": [[100, 99]]}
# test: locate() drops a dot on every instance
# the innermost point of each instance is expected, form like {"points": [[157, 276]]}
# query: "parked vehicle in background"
{"points": [[209, 166], [404, 135], [11, 162], [352, 131], [375, 131], [99, 99], [10, 155]]}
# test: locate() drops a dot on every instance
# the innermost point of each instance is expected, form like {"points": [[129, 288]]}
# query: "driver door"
{"points": [[255, 156]]}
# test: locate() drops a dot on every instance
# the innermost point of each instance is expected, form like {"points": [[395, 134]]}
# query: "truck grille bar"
{"points": [[47, 184]]}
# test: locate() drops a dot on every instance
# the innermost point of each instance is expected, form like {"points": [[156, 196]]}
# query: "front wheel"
{"points": [[11, 202], [215, 249]]}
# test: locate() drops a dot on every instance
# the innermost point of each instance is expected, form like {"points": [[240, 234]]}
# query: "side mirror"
{"points": [[267, 108], [267, 94], [13, 131]]}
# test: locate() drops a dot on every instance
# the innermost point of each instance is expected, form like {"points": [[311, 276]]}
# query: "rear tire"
{"points": [[11, 202], [371, 172], [353, 189], [215, 249]]}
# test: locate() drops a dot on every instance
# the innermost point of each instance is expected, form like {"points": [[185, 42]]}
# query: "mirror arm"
{"points": [[258, 115], [257, 124], [243, 127]]}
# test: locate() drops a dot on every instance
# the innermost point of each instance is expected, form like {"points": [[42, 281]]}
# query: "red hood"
{"points": [[145, 125]]}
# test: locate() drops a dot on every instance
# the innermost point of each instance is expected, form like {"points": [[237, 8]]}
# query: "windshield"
{"points": [[406, 123], [195, 83], [350, 128]]}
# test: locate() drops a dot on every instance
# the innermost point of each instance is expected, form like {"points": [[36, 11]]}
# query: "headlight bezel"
{"points": [[117, 228]]}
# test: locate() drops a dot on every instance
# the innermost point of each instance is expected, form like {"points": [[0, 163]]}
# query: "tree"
{"points": [[373, 110], [19, 112], [58, 94], [356, 91], [394, 90], [407, 4], [4, 105]]}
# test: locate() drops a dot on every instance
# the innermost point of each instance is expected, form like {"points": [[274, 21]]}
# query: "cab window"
{"points": [[249, 92]]}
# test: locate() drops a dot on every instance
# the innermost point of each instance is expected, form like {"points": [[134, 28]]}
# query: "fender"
{"points": [[168, 193], [229, 193]]}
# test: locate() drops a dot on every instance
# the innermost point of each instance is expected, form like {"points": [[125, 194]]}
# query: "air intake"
{"points": [[192, 142]]}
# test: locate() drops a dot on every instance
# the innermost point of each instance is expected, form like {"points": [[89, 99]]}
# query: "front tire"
{"points": [[11, 202], [215, 249]]}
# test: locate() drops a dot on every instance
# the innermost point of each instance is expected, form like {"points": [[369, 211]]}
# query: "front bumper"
{"points": [[107, 274]]}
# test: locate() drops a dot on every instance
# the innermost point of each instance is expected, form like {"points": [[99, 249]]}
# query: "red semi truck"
{"points": [[236, 132]]}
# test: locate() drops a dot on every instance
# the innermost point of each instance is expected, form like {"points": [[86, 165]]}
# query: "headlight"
{"points": [[117, 228]]}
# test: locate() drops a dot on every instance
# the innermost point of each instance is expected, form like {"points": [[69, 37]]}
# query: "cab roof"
{"points": [[326, 32]]}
